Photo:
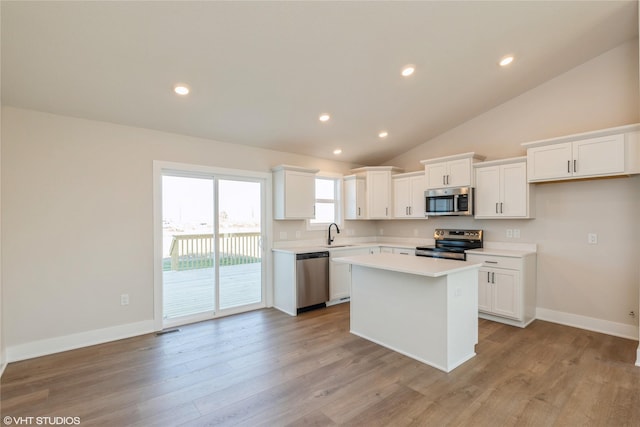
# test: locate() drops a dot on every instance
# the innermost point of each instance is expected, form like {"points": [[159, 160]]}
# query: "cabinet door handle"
{"points": [[358, 211], [496, 207], [575, 166], [386, 211], [444, 182], [493, 277], [501, 211], [488, 277], [447, 179], [568, 166], [410, 209]]}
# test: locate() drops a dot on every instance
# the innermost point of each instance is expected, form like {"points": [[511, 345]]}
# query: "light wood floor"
{"points": [[266, 368]]}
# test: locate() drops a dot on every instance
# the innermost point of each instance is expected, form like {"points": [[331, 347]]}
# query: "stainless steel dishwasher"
{"points": [[312, 280]]}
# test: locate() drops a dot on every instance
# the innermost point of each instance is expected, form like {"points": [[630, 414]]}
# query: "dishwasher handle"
{"points": [[312, 255]]}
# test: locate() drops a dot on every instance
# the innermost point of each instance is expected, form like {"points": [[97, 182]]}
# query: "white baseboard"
{"points": [[83, 339], [638, 356], [589, 323]]}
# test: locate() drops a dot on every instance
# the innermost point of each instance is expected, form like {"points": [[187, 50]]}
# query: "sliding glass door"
{"points": [[240, 238], [211, 246]]}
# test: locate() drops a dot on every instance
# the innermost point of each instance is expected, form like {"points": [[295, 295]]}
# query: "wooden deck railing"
{"points": [[190, 251]]}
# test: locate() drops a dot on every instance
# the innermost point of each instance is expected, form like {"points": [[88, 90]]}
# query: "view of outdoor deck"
{"points": [[188, 274], [191, 291], [211, 246]]}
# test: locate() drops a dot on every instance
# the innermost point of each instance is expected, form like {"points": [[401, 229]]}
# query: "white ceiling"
{"points": [[262, 72]]}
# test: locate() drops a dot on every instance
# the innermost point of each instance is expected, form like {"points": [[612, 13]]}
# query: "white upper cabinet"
{"points": [[377, 203], [408, 195], [355, 197], [608, 152], [450, 171], [598, 156], [502, 190], [294, 192]]}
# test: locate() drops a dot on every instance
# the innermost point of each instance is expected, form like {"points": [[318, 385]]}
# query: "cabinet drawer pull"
{"points": [[496, 207], [575, 166], [491, 262]]}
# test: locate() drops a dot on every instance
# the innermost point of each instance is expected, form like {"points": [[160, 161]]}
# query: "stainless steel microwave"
{"points": [[449, 201]]}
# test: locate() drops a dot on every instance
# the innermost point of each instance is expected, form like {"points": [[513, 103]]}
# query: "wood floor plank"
{"points": [[267, 368]]}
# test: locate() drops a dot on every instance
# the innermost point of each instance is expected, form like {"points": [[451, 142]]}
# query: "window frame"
{"points": [[337, 201]]}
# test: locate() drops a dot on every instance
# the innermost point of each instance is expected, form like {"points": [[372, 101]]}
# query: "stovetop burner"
{"points": [[451, 244]]}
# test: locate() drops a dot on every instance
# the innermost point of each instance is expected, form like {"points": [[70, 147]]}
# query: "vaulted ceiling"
{"points": [[261, 73]]}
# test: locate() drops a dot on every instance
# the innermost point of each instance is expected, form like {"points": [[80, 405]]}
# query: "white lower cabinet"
{"points": [[499, 292], [340, 274], [506, 287], [397, 250]]}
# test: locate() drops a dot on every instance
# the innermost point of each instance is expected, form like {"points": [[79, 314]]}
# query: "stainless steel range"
{"points": [[451, 244]]}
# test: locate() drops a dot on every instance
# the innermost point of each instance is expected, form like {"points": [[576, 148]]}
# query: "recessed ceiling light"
{"points": [[181, 89], [408, 70], [506, 60], [337, 151], [324, 117], [383, 134]]}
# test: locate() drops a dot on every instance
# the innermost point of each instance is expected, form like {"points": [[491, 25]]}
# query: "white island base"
{"points": [[429, 313]]}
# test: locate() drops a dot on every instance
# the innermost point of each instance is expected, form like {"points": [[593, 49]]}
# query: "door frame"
{"points": [[186, 169]]}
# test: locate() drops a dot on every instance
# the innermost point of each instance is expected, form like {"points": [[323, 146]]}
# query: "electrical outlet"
{"points": [[124, 299], [509, 233], [298, 234], [592, 238], [516, 233]]}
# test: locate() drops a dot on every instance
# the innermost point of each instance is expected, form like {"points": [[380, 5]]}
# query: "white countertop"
{"points": [[510, 253], [422, 266], [338, 247]]}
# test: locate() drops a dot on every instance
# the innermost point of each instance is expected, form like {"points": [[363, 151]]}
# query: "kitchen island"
{"points": [[424, 308]]}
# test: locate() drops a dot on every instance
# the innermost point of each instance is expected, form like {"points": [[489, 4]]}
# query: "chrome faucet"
{"points": [[329, 240]]}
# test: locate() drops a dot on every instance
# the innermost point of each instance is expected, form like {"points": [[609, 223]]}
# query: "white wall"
{"points": [[594, 281], [77, 215]]}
